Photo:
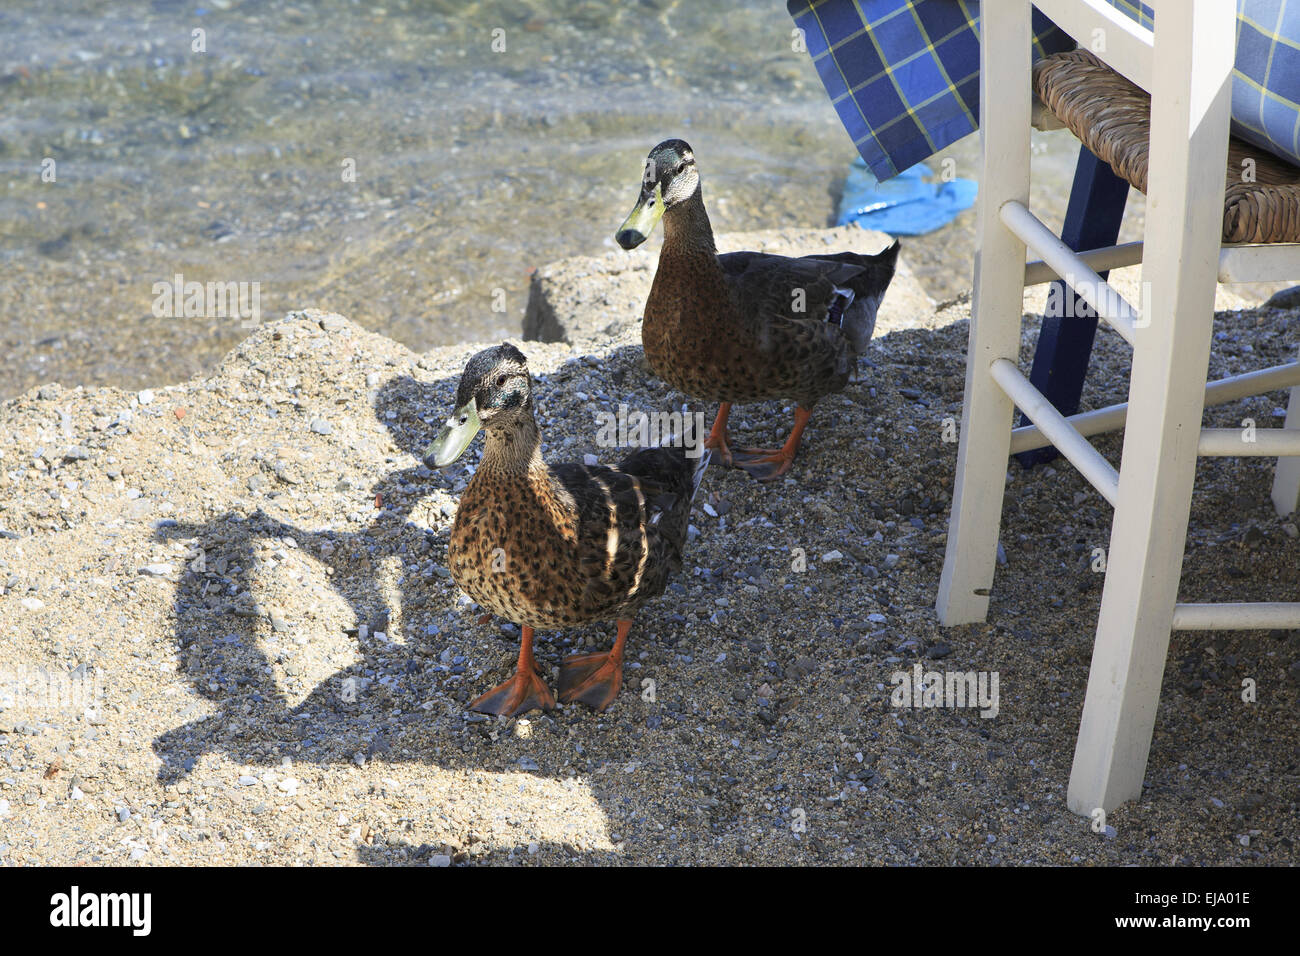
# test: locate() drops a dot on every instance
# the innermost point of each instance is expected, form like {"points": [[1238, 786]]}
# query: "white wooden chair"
{"points": [[1186, 66]]}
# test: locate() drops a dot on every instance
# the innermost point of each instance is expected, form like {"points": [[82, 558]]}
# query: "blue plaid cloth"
{"points": [[903, 75]]}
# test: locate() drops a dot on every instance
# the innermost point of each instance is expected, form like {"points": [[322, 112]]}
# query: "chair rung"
{"points": [[1100, 473], [1264, 442], [1101, 260], [1068, 264], [1273, 615], [1111, 418]]}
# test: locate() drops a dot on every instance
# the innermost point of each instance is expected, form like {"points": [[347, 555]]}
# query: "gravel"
{"points": [[755, 724]]}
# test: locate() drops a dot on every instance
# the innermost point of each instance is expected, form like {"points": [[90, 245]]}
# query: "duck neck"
{"points": [[513, 449], [687, 231]]}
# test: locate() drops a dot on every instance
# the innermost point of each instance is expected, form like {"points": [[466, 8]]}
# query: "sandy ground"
{"points": [[229, 637]]}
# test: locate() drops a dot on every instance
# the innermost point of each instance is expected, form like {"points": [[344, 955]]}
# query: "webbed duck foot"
{"points": [[523, 692], [520, 694], [765, 464], [594, 679]]}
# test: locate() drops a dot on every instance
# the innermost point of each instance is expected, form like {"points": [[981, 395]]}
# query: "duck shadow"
{"points": [[226, 637]]}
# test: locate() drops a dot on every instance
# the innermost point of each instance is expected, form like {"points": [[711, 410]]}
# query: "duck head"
{"points": [[495, 392], [669, 178]]}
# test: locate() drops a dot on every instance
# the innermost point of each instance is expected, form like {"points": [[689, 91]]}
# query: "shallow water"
{"points": [[487, 138]]}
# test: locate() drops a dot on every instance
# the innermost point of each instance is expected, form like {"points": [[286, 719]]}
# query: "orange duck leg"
{"points": [[595, 679], [768, 464]]}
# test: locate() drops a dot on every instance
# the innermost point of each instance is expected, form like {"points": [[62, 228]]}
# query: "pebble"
{"points": [[32, 604], [146, 397], [832, 556], [440, 859], [123, 814], [247, 780], [891, 560], [321, 427], [158, 570]]}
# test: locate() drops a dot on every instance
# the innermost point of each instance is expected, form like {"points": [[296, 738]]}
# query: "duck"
{"points": [[554, 546], [746, 326]]}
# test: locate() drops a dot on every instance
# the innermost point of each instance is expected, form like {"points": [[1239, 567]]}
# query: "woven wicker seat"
{"points": [[1111, 116]]}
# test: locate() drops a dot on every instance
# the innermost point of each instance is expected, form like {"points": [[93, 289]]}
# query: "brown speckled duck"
{"points": [[746, 326], [554, 546]]}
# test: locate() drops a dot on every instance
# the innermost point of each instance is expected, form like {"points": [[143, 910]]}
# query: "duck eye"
{"points": [[502, 379]]}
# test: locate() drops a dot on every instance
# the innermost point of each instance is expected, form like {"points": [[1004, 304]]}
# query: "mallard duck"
{"points": [[554, 546], [747, 326]]}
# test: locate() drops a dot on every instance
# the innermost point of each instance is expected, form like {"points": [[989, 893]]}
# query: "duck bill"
{"points": [[454, 437], [637, 227]]}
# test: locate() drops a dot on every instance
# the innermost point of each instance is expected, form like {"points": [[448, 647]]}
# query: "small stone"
{"points": [[289, 785], [372, 379], [32, 604], [440, 859], [523, 728], [891, 560], [247, 780], [1002, 554], [158, 570], [123, 814], [145, 397], [321, 427], [590, 460], [332, 322], [1285, 299], [832, 556], [533, 849]]}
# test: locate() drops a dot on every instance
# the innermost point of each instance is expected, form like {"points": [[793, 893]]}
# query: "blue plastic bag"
{"points": [[906, 205]]}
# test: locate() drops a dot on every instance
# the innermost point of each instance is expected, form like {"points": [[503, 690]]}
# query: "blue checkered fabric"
{"points": [[903, 75]]}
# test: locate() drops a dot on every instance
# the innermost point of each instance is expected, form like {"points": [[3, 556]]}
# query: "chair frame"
{"points": [[1186, 65]]}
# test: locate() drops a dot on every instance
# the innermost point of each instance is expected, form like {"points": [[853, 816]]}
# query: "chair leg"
{"points": [[1189, 132], [1286, 480], [1092, 220], [996, 307]]}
